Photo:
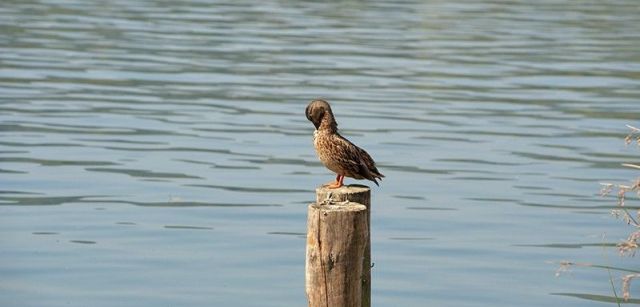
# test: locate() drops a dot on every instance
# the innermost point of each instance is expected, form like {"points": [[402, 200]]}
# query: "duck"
{"points": [[336, 152]]}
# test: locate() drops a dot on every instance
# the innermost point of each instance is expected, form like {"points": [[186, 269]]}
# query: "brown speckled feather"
{"points": [[336, 152]]}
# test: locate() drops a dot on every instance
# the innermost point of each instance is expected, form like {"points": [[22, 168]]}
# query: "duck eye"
{"points": [[309, 113]]}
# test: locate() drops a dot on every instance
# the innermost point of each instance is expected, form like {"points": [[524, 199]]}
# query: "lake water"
{"points": [[156, 153]]}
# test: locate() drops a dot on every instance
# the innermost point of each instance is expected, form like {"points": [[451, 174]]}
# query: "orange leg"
{"points": [[338, 183]]}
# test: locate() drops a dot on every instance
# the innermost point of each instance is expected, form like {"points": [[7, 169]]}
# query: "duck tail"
{"points": [[375, 174]]}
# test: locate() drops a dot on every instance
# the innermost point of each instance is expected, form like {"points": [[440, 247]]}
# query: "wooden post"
{"points": [[338, 263]]}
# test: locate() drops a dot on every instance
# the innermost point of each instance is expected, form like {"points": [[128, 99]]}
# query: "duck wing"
{"points": [[356, 162]]}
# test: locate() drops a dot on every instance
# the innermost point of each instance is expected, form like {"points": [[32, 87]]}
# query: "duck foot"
{"points": [[338, 183]]}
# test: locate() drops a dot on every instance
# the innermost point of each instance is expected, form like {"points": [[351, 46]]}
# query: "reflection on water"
{"points": [[168, 138], [83, 241], [187, 227]]}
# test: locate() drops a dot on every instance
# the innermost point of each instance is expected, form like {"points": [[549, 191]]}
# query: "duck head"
{"points": [[319, 113]]}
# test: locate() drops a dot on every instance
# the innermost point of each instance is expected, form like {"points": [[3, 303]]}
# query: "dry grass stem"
{"points": [[631, 165], [633, 129], [564, 267], [630, 137], [629, 246], [626, 282]]}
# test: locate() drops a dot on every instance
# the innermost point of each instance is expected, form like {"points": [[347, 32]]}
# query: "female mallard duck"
{"points": [[335, 152]]}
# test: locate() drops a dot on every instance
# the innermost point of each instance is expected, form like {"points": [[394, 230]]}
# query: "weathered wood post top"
{"points": [[354, 193]]}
